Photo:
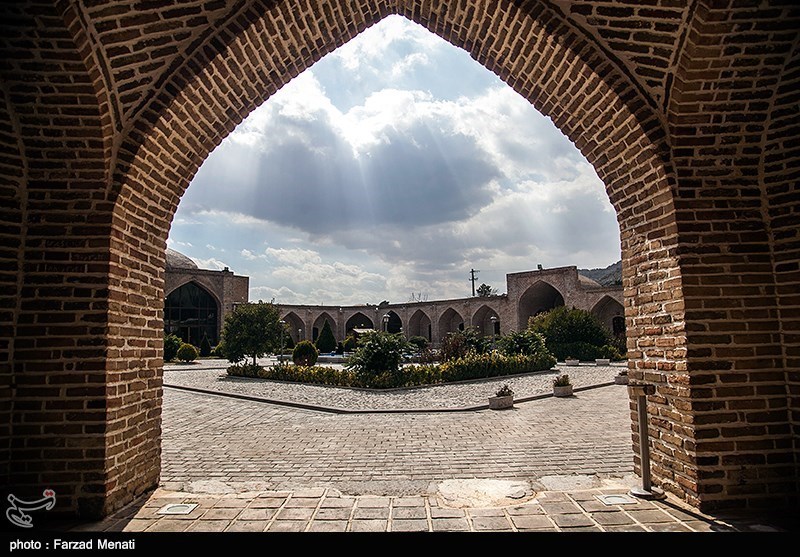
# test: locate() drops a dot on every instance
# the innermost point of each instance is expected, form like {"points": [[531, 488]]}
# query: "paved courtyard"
{"points": [[542, 467]]}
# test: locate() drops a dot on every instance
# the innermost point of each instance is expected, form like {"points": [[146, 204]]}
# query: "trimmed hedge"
{"points": [[187, 353], [473, 366], [305, 354], [584, 351]]}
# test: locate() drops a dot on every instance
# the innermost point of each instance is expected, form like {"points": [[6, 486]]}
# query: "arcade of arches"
{"points": [[531, 292], [688, 111]]}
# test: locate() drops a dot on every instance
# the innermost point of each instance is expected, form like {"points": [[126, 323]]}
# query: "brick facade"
{"points": [[688, 111]]}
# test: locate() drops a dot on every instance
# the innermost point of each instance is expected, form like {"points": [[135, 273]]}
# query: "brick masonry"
{"points": [[687, 110]]}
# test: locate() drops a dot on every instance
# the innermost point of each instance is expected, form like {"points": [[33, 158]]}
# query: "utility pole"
{"points": [[473, 277]]}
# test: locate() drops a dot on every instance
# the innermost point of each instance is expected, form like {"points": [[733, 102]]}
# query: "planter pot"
{"points": [[603, 362], [501, 402], [565, 390], [572, 362], [621, 379]]}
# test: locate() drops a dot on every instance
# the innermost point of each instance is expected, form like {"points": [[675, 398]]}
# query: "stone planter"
{"points": [[562, 390], [621, 378], [572, 362], [603, 362], [501, 402]]}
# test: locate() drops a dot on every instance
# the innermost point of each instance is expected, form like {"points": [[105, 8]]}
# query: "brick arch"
{"points": [[420, 324], [319, 321], [358, 320], [199, 282], [720, 183], [450, 321], [482, 320], [562, 73], [538, 297], [295, 322]]}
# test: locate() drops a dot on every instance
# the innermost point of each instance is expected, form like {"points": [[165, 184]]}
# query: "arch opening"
{"points": [[358, 321], [538, 298], [486, 321], [295, 325], [191, 313], [420, 325], [611, 313], [450, 322]]}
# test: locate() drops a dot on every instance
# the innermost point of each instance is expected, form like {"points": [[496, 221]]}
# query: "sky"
{"points": [[387, 170]]}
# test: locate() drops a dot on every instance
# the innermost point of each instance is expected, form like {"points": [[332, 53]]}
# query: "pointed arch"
{"points": [[610, 313], [319, 322], [358, 321], [191, 312], [296, 326], [539, 297], [450, 322], [420, 325], [482, 321], [395, 324]]}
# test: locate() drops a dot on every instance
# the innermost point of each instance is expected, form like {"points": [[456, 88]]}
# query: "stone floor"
{"points": [[254, 466]]}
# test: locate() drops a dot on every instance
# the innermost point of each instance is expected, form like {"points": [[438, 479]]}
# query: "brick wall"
{"points": [[688, 112]]}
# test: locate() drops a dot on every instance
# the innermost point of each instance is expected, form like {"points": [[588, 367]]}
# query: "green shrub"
{"points": [[305, 354], [420, 342], [219, 350], [349, 343], [320, 375], [172, 344], [458, 344], [205, 347], [495, 364], [187, 353], [571, 332], [376, 360], [326, 342], [524, 342]]}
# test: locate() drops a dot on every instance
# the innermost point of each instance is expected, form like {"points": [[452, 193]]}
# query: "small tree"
{"points": [[304, 354], [187, 353], [377, 359], [326, 342], [526, 343], [251, 331], [484, 291], [420, 342], [457, 344], [571, 332], [205, 347], [171, 345]]}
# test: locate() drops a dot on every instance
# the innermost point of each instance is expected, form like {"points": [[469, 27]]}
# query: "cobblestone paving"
{"points": [[211, 375], [209, 437]]}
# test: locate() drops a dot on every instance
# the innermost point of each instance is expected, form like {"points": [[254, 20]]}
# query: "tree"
{"points": [[484, 291], [326, 342], [171, 345], [251, 331], [378, 358], [572, 333], [205, 347]]}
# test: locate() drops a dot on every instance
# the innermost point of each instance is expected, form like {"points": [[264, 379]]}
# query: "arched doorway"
{"points": [[450, 322], [420, 325], [611, 314], [537, 298], [191, 312], [319, 323], [394, 324], [626, 113], [486, 321], [297, 328], [358, 321]]}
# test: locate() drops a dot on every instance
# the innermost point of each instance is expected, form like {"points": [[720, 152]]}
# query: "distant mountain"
{"points": [[610, 276]]}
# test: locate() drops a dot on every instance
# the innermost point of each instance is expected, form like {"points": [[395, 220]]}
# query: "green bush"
{"points": [[326, 342], [457, 344], [219, 350], [187, 353], [349, 343], [421, 343], [305, 354], [376, 360], [495, 364], [572, 332], [578, 350], [172, 344], [524, 342], [320, 375], [205, 347]]}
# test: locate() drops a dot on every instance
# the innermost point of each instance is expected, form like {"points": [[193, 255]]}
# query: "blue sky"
{"points": [[393, 166]]}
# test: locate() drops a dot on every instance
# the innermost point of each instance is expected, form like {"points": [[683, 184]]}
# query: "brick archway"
{"points": [[94, 166]]}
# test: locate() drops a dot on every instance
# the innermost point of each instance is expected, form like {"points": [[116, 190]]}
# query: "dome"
{"points": [[586, 281], [176, 260]]}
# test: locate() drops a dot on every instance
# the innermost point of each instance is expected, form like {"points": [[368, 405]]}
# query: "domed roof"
{"points": [[176, 260], [586, 281]]}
